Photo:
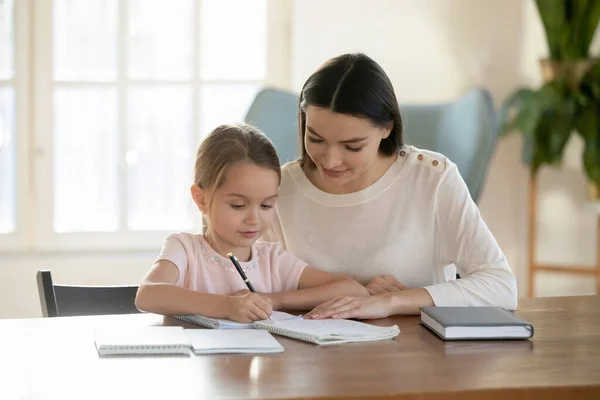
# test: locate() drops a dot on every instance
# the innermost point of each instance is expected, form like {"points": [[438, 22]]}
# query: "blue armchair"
{"points": [[464, 130], [275, 112]]}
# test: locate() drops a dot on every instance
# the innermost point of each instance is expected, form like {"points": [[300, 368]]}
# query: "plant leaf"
{"points": [[588, 17], [551, 135], [517, 102], [590, 82], [591, 160], [527, 151], [552, 13], [546, 120], [569, 26], [587, 122], [588, 126]]}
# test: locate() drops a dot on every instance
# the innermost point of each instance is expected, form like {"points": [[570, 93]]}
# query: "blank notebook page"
{"points": [[208, 341], [341, 327]]}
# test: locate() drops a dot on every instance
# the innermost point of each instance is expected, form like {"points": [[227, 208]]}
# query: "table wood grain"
{"points": [[56, 358]]}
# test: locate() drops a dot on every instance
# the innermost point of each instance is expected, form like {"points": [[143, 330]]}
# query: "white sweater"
{"points": [[417, 223]]}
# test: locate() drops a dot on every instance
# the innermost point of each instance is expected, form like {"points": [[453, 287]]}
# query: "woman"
{"points": [[360, 202]]}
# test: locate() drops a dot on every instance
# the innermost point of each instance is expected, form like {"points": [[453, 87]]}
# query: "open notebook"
{"points": [[326, 331], [142, 340]]}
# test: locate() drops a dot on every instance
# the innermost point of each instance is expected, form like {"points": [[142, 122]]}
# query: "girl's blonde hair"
{"points": [[227, 145]]}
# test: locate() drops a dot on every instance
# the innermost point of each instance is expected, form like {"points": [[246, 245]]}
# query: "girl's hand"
{"points": [[384, 284], [372, 307], [272, 297], [245, 306]]}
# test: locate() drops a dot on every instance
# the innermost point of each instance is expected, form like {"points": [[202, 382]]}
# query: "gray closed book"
{"points": [[468, 323]]}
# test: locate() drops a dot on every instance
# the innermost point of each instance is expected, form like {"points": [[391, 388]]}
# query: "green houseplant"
{"points": [[568, 102]]}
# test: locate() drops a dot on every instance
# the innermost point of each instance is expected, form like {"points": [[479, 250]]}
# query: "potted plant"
{"points": [[587, 124], [569, 100]]}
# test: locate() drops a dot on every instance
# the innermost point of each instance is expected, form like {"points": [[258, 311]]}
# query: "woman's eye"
{"points": [[354, 149], [267, 206], [314, 140], [237, 206]]}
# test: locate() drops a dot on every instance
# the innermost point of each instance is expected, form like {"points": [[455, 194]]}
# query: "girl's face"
{"points": [[342, 146], [242, 208]]}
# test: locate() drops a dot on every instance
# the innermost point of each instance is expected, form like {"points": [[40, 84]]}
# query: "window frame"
{"points": [[20, 239], [34, 125]]}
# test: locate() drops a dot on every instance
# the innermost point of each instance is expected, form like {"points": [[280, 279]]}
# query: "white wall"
{"points": [[435, 50]]}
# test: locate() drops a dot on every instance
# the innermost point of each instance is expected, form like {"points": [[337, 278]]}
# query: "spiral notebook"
{"points": [[215, 323], [142, 340], [328, 331], [321, 332]]}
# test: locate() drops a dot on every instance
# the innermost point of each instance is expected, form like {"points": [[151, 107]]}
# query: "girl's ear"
{"points": [[199, 197]]}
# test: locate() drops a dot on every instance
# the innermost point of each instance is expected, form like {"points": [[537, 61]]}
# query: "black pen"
{"points": [[237, 266]]}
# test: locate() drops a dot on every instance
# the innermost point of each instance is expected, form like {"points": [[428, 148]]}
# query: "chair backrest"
{"points": [[464, 130], [71, 300], [275, 112]]}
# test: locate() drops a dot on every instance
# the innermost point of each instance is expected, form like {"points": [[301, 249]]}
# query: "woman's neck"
{"points": [[223, 247], [372, 174]]}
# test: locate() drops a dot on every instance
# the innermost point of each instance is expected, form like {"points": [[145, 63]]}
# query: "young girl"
{"points": [[237, 176]]}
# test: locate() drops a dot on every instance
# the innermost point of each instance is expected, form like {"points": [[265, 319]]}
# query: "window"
{"points": [[123, 91], [8, 222]]}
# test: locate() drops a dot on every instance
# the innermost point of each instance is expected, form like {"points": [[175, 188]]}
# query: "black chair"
{"points": [[71, 300]]}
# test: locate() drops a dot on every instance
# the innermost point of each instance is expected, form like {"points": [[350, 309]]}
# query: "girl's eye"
{"points": [[354, 149], [237, 206], [314, 140], [266, 206]]}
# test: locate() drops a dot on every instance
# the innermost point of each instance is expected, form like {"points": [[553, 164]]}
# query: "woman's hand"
{"points": [[245, 306], [384, 284], [372, 307]]}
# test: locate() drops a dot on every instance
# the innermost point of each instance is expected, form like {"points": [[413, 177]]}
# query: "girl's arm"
{"points": [[314, 288], [159, 294]]}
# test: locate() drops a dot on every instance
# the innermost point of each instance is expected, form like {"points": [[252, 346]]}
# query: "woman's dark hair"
{"points": [[353, 84]]}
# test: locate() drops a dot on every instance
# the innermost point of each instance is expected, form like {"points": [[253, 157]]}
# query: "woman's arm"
{"points": [[466, 242], [406, 302], [159, 294], [316, 287]]}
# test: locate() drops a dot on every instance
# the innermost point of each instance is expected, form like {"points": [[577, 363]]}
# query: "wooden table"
{"points": [[56, 358]]}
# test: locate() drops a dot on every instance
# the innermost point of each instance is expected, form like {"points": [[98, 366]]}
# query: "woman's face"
{"points": [[342, 146]]}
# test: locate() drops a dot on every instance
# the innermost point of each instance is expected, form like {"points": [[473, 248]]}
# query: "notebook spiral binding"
{"points": [[286, 332], [143, 348], [196, 319]]}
